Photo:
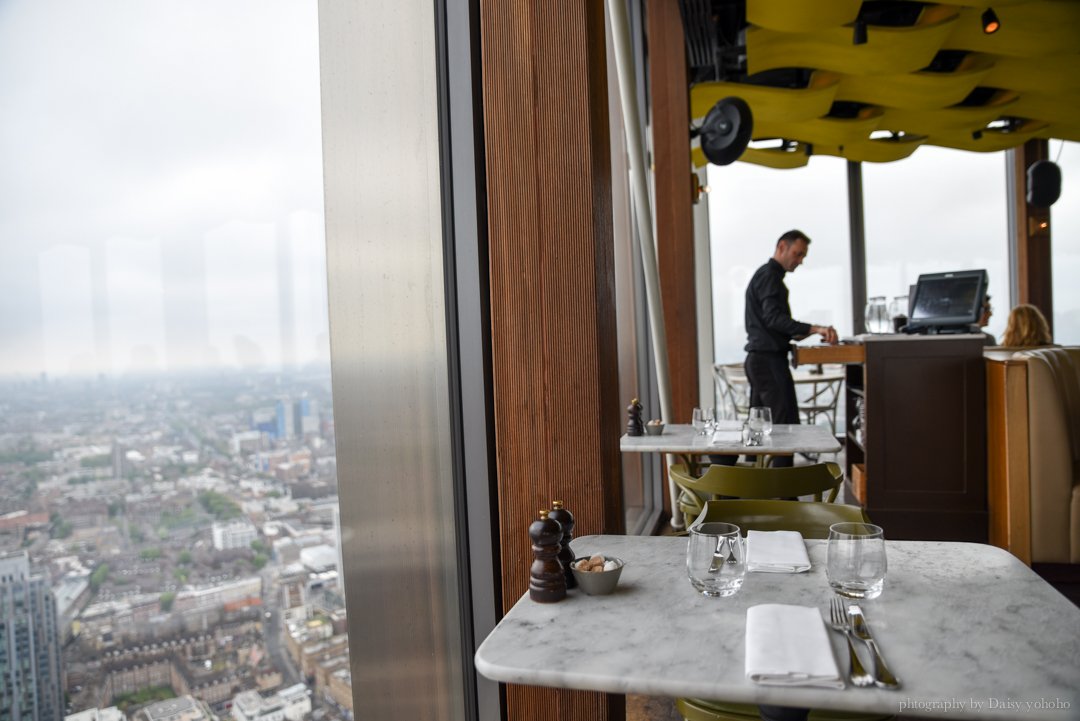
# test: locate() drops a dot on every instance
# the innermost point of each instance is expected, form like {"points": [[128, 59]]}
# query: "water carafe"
{"points": [[877, 315]]}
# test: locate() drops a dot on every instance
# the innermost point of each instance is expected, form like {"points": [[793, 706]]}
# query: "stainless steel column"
{"points": [[388, 334]]}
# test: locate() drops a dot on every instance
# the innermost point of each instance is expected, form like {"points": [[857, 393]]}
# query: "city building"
{"points": [[98, 714], [233, 534], [31, 676], [182, 708], [289, 704]]}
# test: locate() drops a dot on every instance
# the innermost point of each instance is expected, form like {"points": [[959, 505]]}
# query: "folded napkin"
{"points": [[776, 552], [728, 424], [727, 436], [788, 646]]}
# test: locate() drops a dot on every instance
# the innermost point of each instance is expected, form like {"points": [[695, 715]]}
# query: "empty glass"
{"points": [[716, 559], [855, 564], [761, 417], [703, 421]]}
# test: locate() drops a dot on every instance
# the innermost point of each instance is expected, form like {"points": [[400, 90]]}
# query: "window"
{"points": [[1065, 244], [166, 425], [750, 206], [936, 211]]}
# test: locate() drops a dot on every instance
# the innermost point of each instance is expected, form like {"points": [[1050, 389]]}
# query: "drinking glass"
{"points": [[760, 416], [701, 416], [855, 562], [716, 559], [877, 315]]}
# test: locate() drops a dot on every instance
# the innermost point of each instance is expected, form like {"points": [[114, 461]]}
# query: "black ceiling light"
{"points": [[726, 131], [990, 22]]}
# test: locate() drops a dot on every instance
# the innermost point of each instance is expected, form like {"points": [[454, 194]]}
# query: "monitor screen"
{"points": [[947, 300]]}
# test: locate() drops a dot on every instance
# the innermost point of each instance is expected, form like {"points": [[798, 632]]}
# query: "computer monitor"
{"points": [[948, 302]]}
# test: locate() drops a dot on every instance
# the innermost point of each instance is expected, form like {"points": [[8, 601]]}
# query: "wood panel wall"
{"points": [[1033, 261], [558, 417], [670, 109], [1007, 472]]}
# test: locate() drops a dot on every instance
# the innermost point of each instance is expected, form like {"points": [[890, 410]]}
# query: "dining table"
{"points": [[970, 631]]}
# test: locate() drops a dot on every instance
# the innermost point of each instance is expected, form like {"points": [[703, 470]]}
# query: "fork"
{"points": [[721, 555], [839, 621]]}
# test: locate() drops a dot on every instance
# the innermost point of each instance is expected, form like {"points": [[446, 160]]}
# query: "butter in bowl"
{"points": [[654, 427], [597, 575]]}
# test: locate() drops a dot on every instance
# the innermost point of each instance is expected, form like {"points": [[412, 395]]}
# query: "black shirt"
{"points": [[769, 325]]}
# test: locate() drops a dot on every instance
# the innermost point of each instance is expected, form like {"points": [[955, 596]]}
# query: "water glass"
{"points": [[752, 434], [855, 564], [761, 416], [702, 420], [716, 559]]}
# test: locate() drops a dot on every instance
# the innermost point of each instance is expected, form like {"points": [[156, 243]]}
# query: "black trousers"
{"points": [[771, 386]]}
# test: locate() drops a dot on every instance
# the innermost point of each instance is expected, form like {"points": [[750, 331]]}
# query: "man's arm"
{"points": [[776, 317]]}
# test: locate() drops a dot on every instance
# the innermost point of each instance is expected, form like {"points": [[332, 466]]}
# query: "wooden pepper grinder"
{"points": [[634, 426], [547, 583], [566, 555]]}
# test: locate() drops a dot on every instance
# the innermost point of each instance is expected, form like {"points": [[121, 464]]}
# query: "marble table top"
{"points": [[959, 623], [785, 440]]}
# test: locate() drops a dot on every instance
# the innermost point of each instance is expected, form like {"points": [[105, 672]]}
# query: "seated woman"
{"points": [[1027, 327]]}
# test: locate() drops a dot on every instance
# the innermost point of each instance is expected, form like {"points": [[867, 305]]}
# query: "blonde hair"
{"points": [[1027, 327]]}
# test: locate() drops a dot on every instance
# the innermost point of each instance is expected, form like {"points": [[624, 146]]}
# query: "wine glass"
{"points": [[761, 417]]}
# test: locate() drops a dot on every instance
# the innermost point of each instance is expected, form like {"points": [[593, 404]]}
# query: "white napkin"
{"points": [[788, 646], [727, 436], [776, 552], [728, 424]]}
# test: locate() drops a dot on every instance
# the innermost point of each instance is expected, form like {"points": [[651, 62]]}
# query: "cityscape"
{"points": [[169, 548]]}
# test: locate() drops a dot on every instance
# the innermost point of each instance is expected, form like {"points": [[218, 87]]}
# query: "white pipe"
{"points": [[639, 188]]}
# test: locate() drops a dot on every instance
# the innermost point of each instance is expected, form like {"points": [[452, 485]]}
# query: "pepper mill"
{"points": [[547, 583], [566, 555], [634, 426]]}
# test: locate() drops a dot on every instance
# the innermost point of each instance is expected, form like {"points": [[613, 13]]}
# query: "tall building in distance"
{"points": [[31, 685]]}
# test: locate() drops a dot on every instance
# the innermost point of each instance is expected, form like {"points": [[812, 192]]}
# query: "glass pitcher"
{"points": [[898, 312], [877, 315]]}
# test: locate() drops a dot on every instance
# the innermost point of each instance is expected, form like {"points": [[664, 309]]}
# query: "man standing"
{"points": [[770, 330]]}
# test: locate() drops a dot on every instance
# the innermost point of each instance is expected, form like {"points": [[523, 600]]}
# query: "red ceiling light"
{"points": [[990, 22]]}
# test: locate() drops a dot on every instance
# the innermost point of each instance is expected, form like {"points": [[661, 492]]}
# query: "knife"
{"points": [[883, 677]]}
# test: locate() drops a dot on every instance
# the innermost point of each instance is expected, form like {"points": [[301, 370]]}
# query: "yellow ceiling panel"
{"points": [[954, 119], [799, 15], [887, 50], [990, 140], [1054, 109], [779, 159], [1044, 74], [822, 131], [1062, 131], [767, 102], [884, 150], [1050, 27], [918, 90]]}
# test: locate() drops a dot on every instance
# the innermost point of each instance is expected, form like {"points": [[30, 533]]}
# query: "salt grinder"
{"points": [[566, 555], [547, 584]]}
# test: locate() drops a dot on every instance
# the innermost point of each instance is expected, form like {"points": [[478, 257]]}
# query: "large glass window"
{"points": [[166, 425], [1065, 244], [937, 211], [750, 206]]}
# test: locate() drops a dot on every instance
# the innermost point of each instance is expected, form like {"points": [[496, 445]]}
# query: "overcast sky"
{"points": [[161, 197], [152, 147]]}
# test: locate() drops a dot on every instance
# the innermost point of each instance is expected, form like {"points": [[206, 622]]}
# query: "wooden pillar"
{"points": [[558, 416], [1031, 253], [670, 111]]}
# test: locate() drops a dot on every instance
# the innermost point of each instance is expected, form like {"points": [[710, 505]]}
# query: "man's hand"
{"points": [[827, 333]]}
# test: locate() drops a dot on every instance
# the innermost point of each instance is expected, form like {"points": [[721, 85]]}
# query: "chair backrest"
{"points": [[743, 482], [730, 379], [810, 519]]}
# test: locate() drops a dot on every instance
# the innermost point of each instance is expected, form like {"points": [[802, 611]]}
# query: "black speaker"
{"points": [[1043, 183]]}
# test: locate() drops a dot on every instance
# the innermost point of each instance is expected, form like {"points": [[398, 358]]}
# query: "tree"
{"points": [[98, 576], [166, 601], [184, 558]]}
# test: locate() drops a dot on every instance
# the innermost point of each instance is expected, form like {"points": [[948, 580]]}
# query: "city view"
{"points": [[168, 491], [187, 530]]}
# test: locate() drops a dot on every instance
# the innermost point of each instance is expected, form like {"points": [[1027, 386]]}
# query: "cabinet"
{"points": [[916, 434]]}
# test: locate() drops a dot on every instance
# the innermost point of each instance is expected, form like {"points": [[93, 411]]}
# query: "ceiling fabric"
{"points": [[939, 81]]}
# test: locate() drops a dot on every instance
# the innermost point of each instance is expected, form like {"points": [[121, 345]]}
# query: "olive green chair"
{"points": [[742, 482], [812, 520]]}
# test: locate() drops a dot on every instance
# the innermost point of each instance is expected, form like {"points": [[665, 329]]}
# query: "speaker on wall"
{"points": [[1043, 183]]}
